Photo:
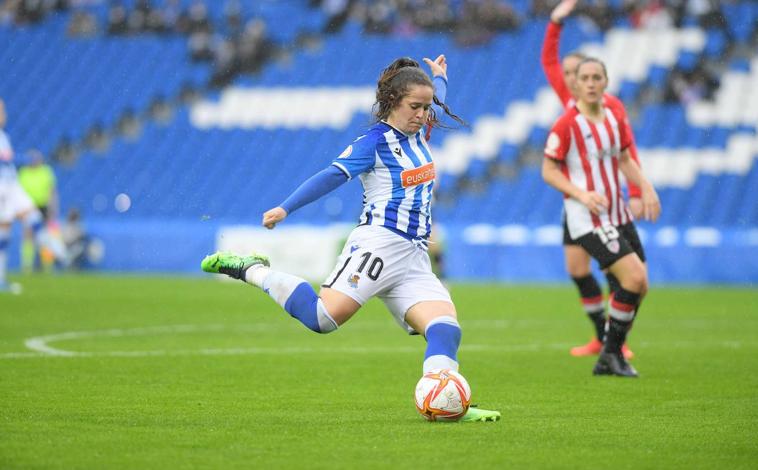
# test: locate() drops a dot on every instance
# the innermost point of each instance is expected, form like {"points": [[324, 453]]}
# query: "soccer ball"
{"points": [[442, 395]]}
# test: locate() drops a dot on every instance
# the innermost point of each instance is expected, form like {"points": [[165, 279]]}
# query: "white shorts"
{"points": [[378, 262], [13, 201]]}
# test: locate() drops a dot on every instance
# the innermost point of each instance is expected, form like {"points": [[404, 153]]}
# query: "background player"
{"points": [[386, 255], [15, 203], [38, 180], [561, 76], [585, 151]]}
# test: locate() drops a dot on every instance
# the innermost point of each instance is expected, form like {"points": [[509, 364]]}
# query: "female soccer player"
{"points": [[561, 76], [16, 204], [386, 255], [586, 150]]}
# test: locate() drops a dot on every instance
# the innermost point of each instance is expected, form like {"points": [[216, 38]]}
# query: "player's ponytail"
{"points": [[393, 85]]}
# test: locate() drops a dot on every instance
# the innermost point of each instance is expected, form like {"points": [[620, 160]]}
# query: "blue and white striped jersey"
{"points": [[7, 167], [397, 174]]}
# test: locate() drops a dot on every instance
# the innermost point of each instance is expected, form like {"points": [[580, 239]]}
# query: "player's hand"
{"points": [[595, 202], [636, 206], [651, 205], [438, 66], [273, 216], [563, 10]]}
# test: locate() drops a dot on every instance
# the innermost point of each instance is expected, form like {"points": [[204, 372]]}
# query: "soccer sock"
{"points": [[27, 255], [5, 235], [295, 295], [443, 337], [43, 238], [621, 316], [613, 283], [592, 301]]}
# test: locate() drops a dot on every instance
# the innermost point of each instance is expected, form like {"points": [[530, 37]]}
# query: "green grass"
{"points": [[194, 373]]}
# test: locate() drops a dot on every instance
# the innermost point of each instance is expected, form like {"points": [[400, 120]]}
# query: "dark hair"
{"points": [[592, 60], [393, 85]]}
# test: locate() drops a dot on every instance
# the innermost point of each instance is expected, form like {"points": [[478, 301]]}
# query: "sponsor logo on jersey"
{"points": [[398, 152], [354, 247], [346, 153], [418, 175]]}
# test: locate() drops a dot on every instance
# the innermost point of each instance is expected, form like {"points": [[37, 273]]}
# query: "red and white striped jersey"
{"points": [[588, 153]]}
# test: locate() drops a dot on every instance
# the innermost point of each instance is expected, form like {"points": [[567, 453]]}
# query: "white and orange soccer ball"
{"points": [[442, 395]]}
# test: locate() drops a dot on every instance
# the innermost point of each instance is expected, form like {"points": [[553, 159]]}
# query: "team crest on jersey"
{"points": [[418, 175], [346, 153], [353, 280], [613, 246], [553, 144]]}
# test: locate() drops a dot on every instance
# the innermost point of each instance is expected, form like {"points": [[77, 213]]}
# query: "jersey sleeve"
{"points": [[359, 157], [551, 62], [558, 141]]}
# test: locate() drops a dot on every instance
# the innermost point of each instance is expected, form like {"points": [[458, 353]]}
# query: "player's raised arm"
{"points": [[313, 188], [551, 61]]}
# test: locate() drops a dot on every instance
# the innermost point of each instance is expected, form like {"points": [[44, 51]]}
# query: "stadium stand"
{"points": [[241, 149]]}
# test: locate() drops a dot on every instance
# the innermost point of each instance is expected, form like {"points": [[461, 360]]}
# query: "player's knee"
{"points": [[635, 281]]}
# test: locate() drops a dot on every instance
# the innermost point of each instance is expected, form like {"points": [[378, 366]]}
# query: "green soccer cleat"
{"points": [[478, 414], [230, 264]]}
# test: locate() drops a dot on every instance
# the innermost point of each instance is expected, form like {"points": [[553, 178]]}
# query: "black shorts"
{"points": [[609, 244]]}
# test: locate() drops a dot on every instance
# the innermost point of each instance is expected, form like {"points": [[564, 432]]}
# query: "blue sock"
{"points": [[299, 300], [4, 241], [443, 337]]}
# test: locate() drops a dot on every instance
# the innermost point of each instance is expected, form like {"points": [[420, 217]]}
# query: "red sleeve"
{"points": [[558, 140], [551, 62], [627, 137]]}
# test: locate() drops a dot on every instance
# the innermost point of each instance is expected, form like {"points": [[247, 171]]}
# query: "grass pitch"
{"points": [[122, 372]]}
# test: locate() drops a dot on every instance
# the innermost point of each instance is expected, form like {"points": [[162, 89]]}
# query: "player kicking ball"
{"points": [[385, 256]]}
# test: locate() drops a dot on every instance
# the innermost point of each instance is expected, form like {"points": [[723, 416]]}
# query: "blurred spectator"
{"points": [[200, 46], [65, 152], [650, 14], [482, 19], [160, 110], [599, 12], [689, 86], [189, 94], [38, 180], [82, 24], [129, 124], [97, 139], [338, 11], [76, 239], [437, 16], [708, 13], [117, 20], [233, 17]]}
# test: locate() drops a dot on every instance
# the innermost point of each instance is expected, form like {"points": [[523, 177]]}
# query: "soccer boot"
{"points": [[613, 363], [628, 354], [594, 347], [230, 264], [478, 414], [10, 288]]}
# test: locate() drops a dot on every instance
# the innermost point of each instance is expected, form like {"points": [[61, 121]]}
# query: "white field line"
{"points": [[40, 345]]}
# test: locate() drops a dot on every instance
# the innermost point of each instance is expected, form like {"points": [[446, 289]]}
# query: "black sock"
{"points": [[620, 319], [592, 301], [613, 283], [616, 335], [598, 320]]}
